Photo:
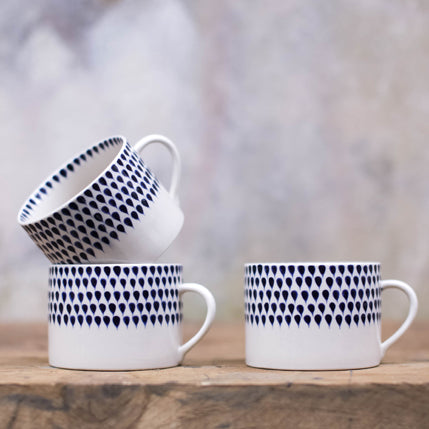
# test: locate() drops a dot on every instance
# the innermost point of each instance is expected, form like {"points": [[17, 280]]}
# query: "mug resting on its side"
{"points": [[317, 316], [105, 205], [119, 317]]}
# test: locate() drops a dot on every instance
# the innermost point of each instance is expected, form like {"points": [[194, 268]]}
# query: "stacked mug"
{"points": [[102, 219]]}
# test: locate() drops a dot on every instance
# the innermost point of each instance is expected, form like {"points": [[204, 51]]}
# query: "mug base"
{"points": [[108, 368], [312, 367]]}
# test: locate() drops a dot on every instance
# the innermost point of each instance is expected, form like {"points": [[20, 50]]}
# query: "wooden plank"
{"points": [[214, 388]]}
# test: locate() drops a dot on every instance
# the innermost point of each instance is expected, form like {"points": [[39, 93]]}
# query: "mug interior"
{"points": [[70, 180]]}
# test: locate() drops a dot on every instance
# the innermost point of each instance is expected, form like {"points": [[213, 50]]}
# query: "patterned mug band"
{"points": [[310, 294]]}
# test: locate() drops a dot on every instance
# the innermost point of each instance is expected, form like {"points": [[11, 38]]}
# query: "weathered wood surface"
{"points": [[213, 389]]}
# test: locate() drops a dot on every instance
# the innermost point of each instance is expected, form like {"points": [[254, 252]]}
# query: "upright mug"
{"points": [[120, 316], [317, 316], [105, 205]]}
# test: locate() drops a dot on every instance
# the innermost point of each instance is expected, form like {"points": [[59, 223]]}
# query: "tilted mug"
{"points": [[105, 205]]}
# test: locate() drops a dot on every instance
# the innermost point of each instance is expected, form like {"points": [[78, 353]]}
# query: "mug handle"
{"points": [[211, 310], [155, 138], [412, 297]]}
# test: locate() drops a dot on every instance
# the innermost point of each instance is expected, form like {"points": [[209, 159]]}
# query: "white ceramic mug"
{"points": [[104, 206], [317, 316], [120, 317]]}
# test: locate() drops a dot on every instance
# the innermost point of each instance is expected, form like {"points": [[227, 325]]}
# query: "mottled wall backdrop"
{"points": [[303, 127]]}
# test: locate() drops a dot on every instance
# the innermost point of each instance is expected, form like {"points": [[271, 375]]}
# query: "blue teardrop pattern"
{"points": [[312, 295], [100, 215], [114, 296]]}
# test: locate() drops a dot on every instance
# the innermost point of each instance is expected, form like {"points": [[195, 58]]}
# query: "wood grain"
{"points": [[213, 388]]}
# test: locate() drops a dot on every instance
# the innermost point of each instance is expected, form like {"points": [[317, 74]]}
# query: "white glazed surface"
{"points": [[307, 348], [101, 348]]}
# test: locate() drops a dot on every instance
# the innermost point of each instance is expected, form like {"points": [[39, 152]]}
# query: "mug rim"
{"points": [[316, 263], [120, 264], [56, 172]]}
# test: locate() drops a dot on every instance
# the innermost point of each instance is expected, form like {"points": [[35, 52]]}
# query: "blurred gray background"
{"points": [[303, 128]]}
